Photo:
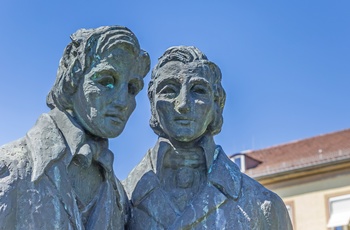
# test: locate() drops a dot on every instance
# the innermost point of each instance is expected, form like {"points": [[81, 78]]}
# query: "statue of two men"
{"points": [[60, 175]]}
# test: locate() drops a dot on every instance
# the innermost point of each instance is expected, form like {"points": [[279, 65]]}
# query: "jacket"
{"points": [[35, 189]]}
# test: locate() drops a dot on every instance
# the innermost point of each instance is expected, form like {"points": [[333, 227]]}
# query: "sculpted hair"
{"points": [[83, 52], [189, 54]]}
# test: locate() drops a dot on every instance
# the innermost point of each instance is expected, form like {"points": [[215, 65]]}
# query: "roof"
{"points": [[304, 154]]}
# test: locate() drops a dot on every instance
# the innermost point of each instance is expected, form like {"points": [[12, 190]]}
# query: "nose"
{"points": [[182, 102], [120, 98]]}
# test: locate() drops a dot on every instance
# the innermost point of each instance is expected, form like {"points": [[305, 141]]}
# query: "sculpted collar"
{"points": [[47, 143], [222, 172]]}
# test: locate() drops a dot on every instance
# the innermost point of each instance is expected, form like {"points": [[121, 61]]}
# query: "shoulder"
{"points": [[14, 160], [18, 158], [122, 200], [252, 187], [269, 203], [255, 199], [137, 175], [15, 168]]}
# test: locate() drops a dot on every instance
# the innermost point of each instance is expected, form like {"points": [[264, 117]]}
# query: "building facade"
{"points": [[312, 176]]}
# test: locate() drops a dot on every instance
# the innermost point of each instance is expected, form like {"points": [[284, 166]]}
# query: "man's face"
{"points": [[105, 97], [184, 100]]}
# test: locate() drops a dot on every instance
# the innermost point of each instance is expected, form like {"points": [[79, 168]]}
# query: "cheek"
{"points": [[93, 112], [164, 106], [92, 96], [205, 112], [91, 90], [210, 114], [164, 110]]}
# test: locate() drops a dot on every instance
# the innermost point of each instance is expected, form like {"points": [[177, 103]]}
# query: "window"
{"points": [[339, 209], [244, 161], [342, 228], [239, 161], [290, 209]]}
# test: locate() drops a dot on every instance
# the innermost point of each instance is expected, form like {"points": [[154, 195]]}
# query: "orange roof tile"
{"points": [[315, 151]]}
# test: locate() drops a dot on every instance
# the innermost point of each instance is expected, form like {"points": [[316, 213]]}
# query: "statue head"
{"points": [[186, 95], [99, 75]]}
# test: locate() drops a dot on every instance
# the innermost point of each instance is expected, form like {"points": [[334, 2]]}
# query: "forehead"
{"points": [[118, 58], [119, 52], [116, 61], [181, 71]]}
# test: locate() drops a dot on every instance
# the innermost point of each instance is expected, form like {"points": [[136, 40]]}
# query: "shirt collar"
{"points": [[222, 172], [82, 146], [72, 132], [163, 145], [53, 133]]}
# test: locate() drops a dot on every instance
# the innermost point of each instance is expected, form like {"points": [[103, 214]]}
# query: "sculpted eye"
{"points": [[198, 89], [111, 86], [105, 80], [168, 90]]}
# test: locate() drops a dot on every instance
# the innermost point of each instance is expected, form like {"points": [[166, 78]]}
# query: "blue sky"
{"points": [[285, 64]]}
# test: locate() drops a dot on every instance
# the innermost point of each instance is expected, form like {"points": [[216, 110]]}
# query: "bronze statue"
{"points": [[60, 175], [186, 181]]}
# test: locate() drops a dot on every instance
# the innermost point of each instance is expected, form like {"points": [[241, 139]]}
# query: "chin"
{"points": [[185, 139], [114, 134]]}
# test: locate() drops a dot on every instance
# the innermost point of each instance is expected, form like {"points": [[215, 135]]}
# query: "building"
{"points": [[311, 175]]}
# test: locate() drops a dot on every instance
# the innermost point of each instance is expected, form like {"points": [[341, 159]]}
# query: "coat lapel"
{"points": [[224, 184], [65, 197], [47, 146], [225, 175], [150, 198], [204, 205]]}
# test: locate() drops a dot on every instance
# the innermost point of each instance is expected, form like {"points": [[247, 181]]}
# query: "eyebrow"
{"points": [[102, 68], [200, 80], [108, 71], [171, 80]]}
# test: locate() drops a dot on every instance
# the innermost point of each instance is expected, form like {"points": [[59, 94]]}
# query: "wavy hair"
{"points": [[83, 52]]}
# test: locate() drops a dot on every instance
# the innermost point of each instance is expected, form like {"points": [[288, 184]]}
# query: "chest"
{"points": [[210, 209], [85, 181]]}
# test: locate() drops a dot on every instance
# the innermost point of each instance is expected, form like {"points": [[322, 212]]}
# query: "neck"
{"points": [[184, 144], [174, 155], [204, 147], [182, 168]]}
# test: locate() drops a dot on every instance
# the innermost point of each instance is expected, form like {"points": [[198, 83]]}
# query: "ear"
{"points": [[154, 121], [215, 126], [145, 63]]}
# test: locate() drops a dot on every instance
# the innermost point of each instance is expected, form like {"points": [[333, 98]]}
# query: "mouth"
{"points": [[183, 120], [115, 118]]}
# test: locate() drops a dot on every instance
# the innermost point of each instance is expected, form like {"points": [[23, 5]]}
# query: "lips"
{"points": [[183, 120], [115, 118]]}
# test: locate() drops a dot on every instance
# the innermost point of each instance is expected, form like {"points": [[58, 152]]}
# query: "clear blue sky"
{"points": [[285, 64]]}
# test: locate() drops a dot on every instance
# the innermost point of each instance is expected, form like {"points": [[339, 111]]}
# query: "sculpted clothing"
{"points": [[227, 200], [36, 191]]}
